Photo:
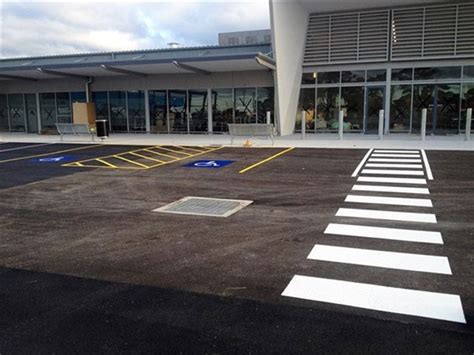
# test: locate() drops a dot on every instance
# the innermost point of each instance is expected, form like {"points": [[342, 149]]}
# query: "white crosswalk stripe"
{"points": [[395, 189], [392, 172], [387, 155], [389, 165], [394, 160], [413, 181], [382, 200], [387, 215]]}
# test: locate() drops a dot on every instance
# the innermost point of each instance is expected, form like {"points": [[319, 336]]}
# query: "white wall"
{"points": [[289, 21]]}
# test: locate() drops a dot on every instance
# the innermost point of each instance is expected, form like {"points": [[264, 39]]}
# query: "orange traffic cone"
{"points": [[248, 143]]}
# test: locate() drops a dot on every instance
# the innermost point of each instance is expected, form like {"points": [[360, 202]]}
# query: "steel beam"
{"points": [[122, 71], [190, 68]]}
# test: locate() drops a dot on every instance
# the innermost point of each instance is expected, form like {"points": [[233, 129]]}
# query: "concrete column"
{"points": [[209, 110], [147, 111]]}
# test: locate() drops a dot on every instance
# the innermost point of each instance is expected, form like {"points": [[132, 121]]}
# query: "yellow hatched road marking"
{"points": [[46, 154], [184, 158], [265, 160], [104, 157], [171, 150], [131, 161], [158, 153], [147, 158], [191, 149], [106, 163]]}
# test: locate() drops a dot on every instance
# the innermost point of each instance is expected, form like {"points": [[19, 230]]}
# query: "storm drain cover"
{"points": [[203, 206]]}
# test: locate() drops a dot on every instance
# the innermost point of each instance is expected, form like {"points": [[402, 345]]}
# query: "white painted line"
{"points": [[387, 215], [395, 189], [25, 147], [387, 155], [387, 165], [385, 259], [392, 172], [407, 235], [394, 160], [429, 174], [425, 304], [361, 164], [392, 180], [383, 200], [397, 151]]}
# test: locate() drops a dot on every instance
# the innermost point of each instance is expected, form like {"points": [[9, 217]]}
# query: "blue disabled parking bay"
{"points": [[208, 164], [54, 159]]}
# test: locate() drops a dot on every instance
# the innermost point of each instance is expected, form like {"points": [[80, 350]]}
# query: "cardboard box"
{"points": [[83, 112]]}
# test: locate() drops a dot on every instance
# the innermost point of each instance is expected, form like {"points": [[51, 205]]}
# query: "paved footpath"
{"points": [[384, 179]]}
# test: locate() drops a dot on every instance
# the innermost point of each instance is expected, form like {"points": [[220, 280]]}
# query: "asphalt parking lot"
{"points": [[87, 266]]}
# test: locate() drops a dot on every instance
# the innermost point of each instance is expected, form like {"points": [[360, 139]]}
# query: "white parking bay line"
{"points": [[388, 155], [384, 259], [394, 160], [392, 172], [397, 151], [429, 174], [407, 235], [412, 181], [395, 189], [387, 215], [387, 165], [433, 305], [383, 200]]}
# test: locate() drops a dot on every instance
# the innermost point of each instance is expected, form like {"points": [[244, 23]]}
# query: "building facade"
{"points": [[360, 57]]}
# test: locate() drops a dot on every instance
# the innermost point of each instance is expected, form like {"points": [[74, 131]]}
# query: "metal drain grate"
{"points": [[203, 206]]}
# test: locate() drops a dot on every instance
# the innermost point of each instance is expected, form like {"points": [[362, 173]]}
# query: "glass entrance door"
{"points": [[373, 104], [442, 104], [178, 111]]}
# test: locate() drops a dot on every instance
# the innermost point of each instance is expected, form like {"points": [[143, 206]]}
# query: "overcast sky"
{"points": [[31, 28]]}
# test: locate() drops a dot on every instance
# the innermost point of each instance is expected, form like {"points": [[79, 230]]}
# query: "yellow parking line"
{"points": [[265, 160], [171, 150], [105, 157], [131, 161], [158, 153], [145, 157], [106, 163], [191, 149], [46, 154]]}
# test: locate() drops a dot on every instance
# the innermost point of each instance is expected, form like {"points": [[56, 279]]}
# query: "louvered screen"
{"points": [[433, 32], [347, 38]]}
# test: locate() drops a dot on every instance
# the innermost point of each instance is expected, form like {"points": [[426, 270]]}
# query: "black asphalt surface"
{"points": [[87, 267]]}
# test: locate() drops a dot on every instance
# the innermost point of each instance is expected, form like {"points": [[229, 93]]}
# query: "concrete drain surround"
{"points": [[203, 206]]}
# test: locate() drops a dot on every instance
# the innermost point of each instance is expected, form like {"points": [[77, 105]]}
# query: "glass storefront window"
{"points": [[101, 105], [354, 76], [437, 73], [468, 72], [118, 111], [17, 113], [329, 78], [244, 100], [376, 75], [79, 96], [63, 106], [31, 113], [198, 120], [467, 102], [307, 104], [352, 102], [402, 74], [308, 78], [400, 108], [158, 111], [48, 111], [178, 111], [4, 126], [327, 109], [265, 102], [136, 111], [222, 109]]}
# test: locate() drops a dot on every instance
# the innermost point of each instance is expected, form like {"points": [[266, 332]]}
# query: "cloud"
{"points": [[37, 28]]}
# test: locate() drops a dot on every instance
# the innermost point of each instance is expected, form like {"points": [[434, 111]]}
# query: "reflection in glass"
{"points": [[136, 111], [48, 111], [244, 105], [3, 113], [158, 110], [306, 104], [468, 72], [376, 75], [101, 105], [400, 108], [402, 74], [329, 77], [17, 113], [118, 111], [63, 106], [327, 109], [222, 109], [467, 102], [265, 102], [78, 96], [178, 108], [354, 76], [352, 102], [308, 78], [31, 113], [198, 120], [375, 103], [437, 73]]}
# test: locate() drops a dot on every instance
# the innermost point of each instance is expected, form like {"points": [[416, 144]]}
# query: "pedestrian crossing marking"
{"points": [[394, 189], [387, 215], [382, 200]]}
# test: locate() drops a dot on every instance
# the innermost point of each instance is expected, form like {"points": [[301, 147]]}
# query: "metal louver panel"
{"points": [[465, 30], [440, 31], [347, 37], [407, 33]]}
